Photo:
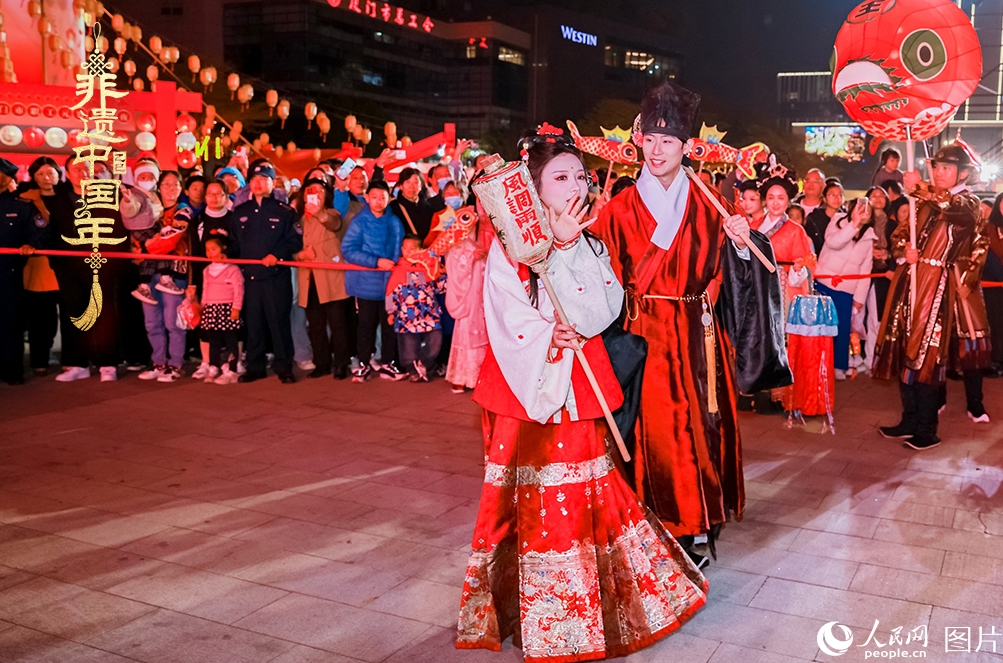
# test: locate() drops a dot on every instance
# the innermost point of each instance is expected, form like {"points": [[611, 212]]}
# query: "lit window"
{"points": [[471, 52], [511, 55]]}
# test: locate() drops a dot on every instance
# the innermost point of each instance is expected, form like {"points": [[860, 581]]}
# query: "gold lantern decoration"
{"points": [[138, 85], [194, 64], [156, 44], [310, 111], [272, 99], [244, 94], [130, 69], [120, 45]]}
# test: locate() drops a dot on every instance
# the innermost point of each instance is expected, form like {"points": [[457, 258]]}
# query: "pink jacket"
{"points": [[226, 287]]}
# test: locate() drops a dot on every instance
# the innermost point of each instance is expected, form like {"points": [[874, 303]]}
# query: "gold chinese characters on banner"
{"points": [[95, 87]]}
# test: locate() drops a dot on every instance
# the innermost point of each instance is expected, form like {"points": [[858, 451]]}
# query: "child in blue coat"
{"points": [[373, 240]]}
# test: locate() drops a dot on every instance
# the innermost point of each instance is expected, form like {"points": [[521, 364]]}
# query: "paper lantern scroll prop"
{"points": [[507, 193], [709, 148], [902, 68]]}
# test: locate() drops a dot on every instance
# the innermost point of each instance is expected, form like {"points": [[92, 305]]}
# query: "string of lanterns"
{"points": [[166, 57]]}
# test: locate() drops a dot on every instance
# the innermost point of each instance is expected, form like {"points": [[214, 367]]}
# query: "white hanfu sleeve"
{"points": [[520, 336], [584, 281]]}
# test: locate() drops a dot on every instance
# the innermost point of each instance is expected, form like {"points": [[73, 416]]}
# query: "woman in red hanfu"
{"points": [[564, 556], [795, 254]]}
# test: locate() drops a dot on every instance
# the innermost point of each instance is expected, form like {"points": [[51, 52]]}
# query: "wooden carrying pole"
{"points": [[563, 317], [720, 208], [910, 155]]}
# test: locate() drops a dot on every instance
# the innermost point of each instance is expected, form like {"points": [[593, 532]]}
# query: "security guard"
{"points": [[265, 229], [20, 227]]}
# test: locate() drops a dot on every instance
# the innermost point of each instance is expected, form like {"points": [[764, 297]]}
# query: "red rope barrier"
{"points": [[125, 255]]}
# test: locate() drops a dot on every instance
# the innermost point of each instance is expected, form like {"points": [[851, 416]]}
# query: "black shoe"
{"points": [[318, 372], [341, 372], [251, 376], [920, 442], [40, 372], [699, 560], [288, 378], [899, 432], [744, 403]]}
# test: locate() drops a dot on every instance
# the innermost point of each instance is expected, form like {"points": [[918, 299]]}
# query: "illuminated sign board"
{"points": [[386, 12], [579, 37], [842, 142]]}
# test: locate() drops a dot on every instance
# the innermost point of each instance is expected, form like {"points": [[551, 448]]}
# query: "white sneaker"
{"points": [[171, 374], [109, 374], [840, 374], [154, 373], [145, 295], [202, 371], [241, 369], [375, 364], [226, 377], [982, 419], [307, 365], [210, 374], [71, 373], [942, 408]]}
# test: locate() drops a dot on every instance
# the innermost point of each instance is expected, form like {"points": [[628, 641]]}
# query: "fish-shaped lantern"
{"points": [[709, 148], [451, 227], [614, 145]]}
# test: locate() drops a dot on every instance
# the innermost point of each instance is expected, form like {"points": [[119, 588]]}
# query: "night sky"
{"points": [[734, 49]]}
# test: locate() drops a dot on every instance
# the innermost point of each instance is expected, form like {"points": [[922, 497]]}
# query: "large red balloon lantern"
{"points": [[902, 68], [187, 159]]}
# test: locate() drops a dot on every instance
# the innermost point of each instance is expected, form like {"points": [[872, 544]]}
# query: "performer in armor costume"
{"points": [[914, 343], [675, 253]]}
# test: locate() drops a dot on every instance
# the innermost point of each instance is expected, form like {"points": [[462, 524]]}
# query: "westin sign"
{"points": [[579, 37]]}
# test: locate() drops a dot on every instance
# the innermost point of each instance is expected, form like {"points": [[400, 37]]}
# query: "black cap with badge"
{"points": [[7, 168], [264, 170]]}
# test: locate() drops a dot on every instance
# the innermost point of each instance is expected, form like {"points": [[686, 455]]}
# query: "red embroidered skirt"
{"points": [[564, 556]]}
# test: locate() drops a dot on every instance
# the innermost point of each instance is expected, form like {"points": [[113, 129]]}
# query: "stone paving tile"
{"points": [[24, 645], [197, 593], [882, 553], [170, 637], [824, 604], [313, 576], [334, 627], [65, 610], [965, 595], [321, 517]]}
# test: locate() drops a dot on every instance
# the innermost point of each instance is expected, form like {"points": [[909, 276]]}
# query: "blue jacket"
{"points": [[368, 239]]}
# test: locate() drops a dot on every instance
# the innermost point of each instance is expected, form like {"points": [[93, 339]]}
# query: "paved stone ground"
{"points": [[329, 522]]}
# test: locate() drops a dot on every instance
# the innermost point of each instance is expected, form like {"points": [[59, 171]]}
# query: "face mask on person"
{"points": [[442, 182], [147, 185], [456, 202]]}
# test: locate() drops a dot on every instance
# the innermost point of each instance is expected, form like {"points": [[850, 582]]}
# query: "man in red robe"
{"points": [[675, 254]]}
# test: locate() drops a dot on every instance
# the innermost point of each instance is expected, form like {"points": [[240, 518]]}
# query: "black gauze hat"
{"points": [[668, 109]]}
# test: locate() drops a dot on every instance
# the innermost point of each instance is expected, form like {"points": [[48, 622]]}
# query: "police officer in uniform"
{"points": [[21, 227], [265, 229]]}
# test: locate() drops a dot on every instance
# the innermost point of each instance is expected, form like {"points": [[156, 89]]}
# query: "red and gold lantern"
{"points": [[902, 68]]}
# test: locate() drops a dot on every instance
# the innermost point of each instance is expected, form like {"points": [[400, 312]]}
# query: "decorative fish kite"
{"points": [[709, 148], [613, 146]]}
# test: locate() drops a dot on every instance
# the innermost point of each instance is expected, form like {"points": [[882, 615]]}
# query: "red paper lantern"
{"points": [[146, 122], [34, 137], [186, 159], [186, 122], [905, 63]]}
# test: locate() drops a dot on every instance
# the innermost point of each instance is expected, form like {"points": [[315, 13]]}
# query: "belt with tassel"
{"points": [[710, 343]]}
